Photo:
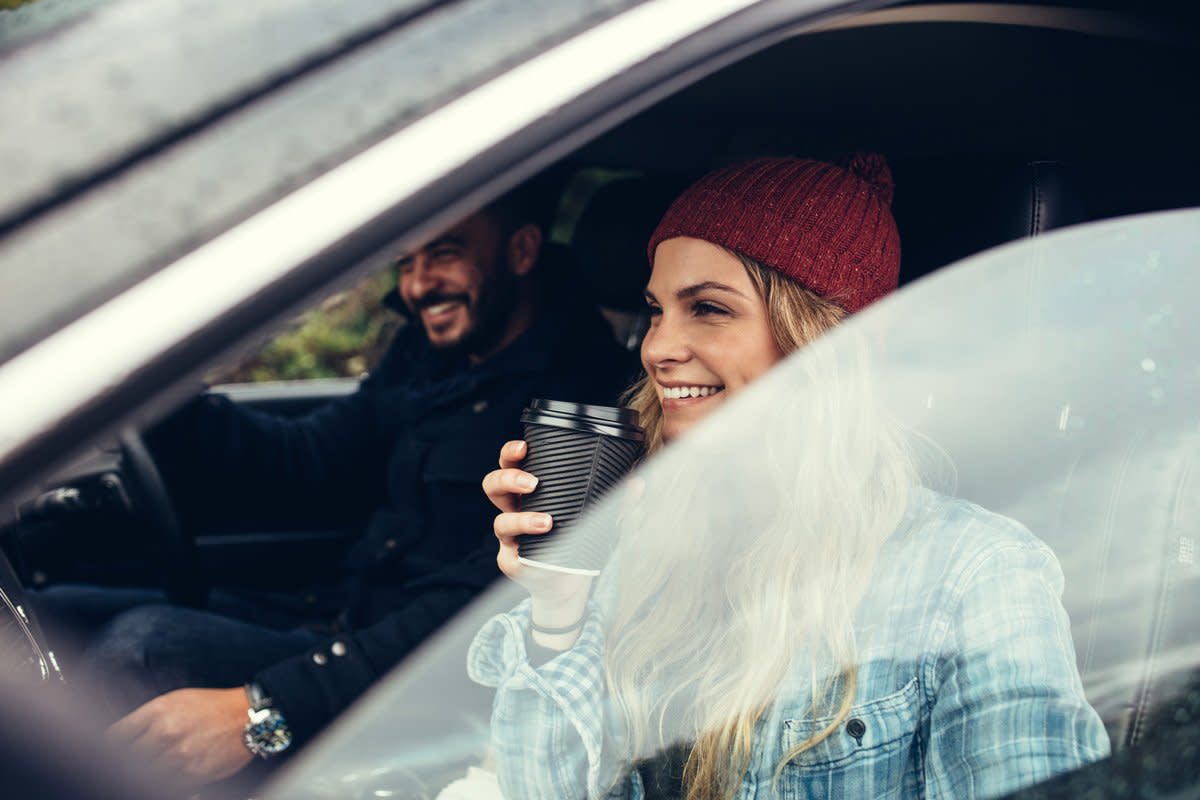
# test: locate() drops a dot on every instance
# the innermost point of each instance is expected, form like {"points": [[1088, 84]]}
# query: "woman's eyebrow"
{"points": [[696, 288]]}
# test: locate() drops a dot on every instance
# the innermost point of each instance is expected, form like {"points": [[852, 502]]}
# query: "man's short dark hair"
{"points": [[535, 201]]}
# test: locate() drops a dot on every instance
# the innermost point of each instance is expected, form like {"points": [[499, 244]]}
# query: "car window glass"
{"points": [[253, 106], [343, 336], [23, 20], [1017, 425]]}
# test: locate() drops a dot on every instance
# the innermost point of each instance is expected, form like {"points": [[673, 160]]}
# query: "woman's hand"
{"points": [[559, 599]]}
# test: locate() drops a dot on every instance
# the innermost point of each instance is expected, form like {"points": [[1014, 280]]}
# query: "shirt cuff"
{"points": [[503, 651]]}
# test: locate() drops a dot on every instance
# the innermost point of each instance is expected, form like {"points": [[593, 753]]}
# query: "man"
{"points": [[488, 332]]}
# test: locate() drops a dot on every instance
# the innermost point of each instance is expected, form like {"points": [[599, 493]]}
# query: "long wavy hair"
{"points": [[767, 554]]}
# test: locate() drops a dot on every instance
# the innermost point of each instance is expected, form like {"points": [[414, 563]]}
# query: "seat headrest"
{"points": [[609, 243], [950, 209]]}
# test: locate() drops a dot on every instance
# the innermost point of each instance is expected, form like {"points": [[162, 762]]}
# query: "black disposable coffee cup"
{"points": [[577, 452]]}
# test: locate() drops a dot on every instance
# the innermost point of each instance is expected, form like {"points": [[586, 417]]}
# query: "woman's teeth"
{"points": [[441, 308], [680, 392]]}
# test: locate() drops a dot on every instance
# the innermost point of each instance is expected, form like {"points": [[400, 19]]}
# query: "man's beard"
{"points": [[487, 317]]}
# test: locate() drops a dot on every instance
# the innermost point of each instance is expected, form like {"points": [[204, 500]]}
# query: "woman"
{"points": [[833, 629]]}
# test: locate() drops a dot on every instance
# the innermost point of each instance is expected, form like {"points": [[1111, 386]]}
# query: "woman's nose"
{"points": [[664, 344]]}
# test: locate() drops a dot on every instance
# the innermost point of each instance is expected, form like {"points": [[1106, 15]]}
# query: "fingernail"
{"points": [[542, 521], [527, 482]]}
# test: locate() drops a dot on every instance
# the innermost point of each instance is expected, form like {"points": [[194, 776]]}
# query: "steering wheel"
{"points": [[176, 549]]}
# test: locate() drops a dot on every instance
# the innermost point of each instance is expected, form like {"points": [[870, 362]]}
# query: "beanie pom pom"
{"points": [[873, 168]]}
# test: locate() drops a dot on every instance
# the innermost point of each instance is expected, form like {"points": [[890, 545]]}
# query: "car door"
{"points": [[248, 198], [240, 161], [1064, 407], [271, 101]]}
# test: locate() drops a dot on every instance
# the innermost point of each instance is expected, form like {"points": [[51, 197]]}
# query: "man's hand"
{"points": [[196, 731]]}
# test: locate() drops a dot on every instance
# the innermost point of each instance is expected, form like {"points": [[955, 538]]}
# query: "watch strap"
{"points": [[257, 696], [266, 733]]}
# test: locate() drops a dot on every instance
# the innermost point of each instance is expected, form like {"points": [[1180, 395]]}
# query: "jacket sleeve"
{"points": [[257, 463], [551, 734], [312, 688], [1008, 705]]}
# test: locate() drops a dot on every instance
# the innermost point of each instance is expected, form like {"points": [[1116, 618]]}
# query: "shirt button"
{"points": [[480, 407], [390, 544], [856, 729], [338, 648], [319, 659]]}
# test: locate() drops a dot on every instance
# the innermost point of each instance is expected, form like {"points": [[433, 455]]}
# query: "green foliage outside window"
{"points": [[342, 338]]}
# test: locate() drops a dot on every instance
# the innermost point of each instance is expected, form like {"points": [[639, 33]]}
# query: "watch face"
{"points": [[266, 733]]}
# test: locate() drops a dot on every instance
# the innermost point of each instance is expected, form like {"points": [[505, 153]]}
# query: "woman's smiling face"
{"points": [[709, 333]]}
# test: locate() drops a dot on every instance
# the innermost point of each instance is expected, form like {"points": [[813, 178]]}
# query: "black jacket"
{"points": [[414, 442]]}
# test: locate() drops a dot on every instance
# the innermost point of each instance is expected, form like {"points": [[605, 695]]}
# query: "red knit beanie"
{"points": [[828, 228]]}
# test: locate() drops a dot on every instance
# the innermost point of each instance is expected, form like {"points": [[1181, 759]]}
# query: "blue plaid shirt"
{"points": [[967, 684]]}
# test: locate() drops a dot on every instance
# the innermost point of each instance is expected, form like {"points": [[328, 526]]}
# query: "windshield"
{"points": [[854, 548]]}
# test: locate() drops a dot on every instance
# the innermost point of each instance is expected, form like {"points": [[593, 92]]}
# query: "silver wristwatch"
{"points": [[266, 734]]}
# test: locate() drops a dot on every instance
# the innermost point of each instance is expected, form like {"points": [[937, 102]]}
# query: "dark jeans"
{"points": [[130, 645]]}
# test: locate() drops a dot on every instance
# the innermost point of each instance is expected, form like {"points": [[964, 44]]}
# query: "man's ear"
{"points": [[524, 246]]}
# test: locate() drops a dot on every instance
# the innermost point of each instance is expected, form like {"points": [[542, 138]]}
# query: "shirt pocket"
{"points": [[869, 754]]}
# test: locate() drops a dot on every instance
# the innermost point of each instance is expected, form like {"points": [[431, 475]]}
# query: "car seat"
{"points": [[609, 248], [945, 209], [948, 209]]}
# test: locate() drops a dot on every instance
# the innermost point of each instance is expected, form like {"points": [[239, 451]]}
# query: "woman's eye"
{"points": [[703, 309], [654, 311]]}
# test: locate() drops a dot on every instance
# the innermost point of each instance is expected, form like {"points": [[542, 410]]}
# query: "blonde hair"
{"points": [[792, 568]]}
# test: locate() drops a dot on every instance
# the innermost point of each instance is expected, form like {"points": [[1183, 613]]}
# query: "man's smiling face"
{"points": [[459, 286]]}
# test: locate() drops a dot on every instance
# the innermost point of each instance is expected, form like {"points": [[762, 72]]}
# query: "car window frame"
{"points": [[53, 421]]}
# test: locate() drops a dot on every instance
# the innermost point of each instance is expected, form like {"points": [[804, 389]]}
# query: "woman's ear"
{"points": [[524, 246]]}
